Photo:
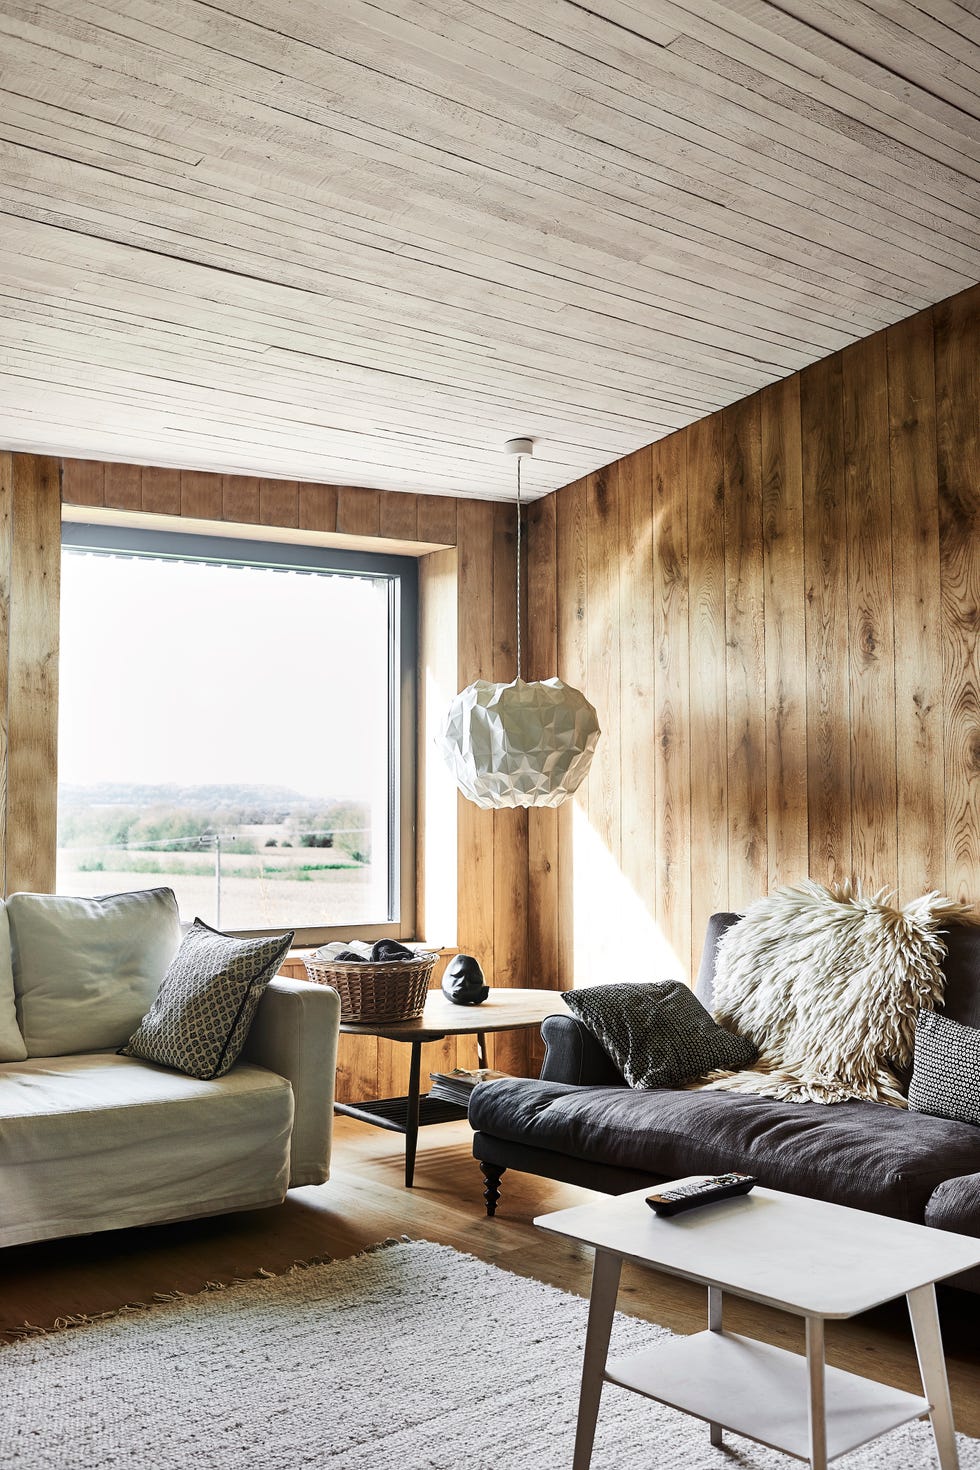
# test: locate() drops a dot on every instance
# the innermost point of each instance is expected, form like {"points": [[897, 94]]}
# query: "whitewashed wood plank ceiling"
{"points": [[365, 241]]}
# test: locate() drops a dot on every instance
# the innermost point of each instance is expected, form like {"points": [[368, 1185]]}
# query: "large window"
{"points": [[237, 723]]}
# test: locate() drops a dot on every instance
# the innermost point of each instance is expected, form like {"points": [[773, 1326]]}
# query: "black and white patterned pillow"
{"points": [[207, 1001], [658, 1033], [946, 1069]]}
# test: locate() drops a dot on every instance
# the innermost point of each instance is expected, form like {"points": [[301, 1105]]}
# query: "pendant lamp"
{"points": [[519, 744]]}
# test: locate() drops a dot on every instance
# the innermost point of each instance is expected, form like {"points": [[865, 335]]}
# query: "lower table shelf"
{"points": [[760, 1391], [392, 1112]]}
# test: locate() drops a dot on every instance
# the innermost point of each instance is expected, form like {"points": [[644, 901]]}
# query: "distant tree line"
{"points": [[172, 819]]}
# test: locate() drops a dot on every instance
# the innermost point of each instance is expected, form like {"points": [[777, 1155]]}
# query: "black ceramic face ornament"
{"points": [[463, 982]]}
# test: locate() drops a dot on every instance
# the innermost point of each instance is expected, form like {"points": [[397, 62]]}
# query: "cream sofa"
{"points": [[90, 1140]]}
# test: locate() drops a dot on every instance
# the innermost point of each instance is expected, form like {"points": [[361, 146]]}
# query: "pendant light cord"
{"points": [[519, 457]]}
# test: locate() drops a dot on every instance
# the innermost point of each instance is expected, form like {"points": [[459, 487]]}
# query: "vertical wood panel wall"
{"points": [[777, 614], [466, 631]]}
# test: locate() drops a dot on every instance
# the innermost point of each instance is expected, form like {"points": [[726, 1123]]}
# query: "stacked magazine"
{"points": [[456, 1086]]}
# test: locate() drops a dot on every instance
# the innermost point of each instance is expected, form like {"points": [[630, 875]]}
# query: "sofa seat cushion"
{"points": [[98, 1141], [863, 1154]]}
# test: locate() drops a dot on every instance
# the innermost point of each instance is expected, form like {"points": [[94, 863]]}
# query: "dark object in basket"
{"points": [[463, 982], [390, 949]]}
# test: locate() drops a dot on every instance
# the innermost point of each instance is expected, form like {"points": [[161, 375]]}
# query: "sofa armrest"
{"points": [[573, 1055], [955, 1205], [295, 1034]]}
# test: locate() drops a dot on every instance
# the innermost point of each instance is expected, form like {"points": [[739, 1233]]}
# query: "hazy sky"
{"points": [[196, 674]]}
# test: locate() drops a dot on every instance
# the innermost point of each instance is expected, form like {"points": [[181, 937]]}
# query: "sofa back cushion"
{"points": [[86, 970], [12, 1048]]}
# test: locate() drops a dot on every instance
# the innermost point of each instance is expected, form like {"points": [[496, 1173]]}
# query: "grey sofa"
{"points": [[580, 1123]]}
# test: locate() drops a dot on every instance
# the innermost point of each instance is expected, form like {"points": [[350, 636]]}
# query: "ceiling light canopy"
{"points": [[524, 743]]}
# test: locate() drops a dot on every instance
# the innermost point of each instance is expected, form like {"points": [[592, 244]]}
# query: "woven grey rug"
{"points": [[411, 1357]]}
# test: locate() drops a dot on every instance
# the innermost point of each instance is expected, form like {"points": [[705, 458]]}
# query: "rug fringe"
{"points": [[161, 1298]]}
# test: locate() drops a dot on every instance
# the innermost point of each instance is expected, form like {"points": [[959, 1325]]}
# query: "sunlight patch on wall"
{"points": [[616, 936]]}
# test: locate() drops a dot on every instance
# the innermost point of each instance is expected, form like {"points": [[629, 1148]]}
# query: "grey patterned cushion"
{"points": [[207, 1001], [946, 1070], [658, 1034]]}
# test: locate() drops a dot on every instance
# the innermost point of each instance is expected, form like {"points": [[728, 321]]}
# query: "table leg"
{"points": [[932, 1367], [716, 1307], [412, 1113], [817, 1407], [602, 1306], [481, 1049]]}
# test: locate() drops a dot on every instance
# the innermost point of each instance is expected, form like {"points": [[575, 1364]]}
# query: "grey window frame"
{"points": [[401, 573]]}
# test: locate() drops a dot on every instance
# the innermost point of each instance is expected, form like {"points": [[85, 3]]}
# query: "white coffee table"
{"points": [[815, 1260]]}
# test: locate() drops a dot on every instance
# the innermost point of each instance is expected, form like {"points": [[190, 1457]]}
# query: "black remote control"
{"points": [[687, 1194]]}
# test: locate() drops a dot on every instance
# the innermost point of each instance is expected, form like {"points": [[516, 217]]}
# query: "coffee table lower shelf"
{"points": [[761, 1392], [393, 1112]]}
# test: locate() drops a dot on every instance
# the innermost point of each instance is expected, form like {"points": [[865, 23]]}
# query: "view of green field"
{"points": [[243, 857]]}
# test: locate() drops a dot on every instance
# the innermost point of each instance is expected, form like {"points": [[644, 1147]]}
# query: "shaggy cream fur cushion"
{"points": [[827, 983]]}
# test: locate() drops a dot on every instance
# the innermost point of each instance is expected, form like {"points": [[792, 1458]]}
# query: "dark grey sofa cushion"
{"points": [[855, 1153]]}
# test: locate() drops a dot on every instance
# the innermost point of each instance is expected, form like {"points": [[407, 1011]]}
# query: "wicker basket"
{"points": [[376, 991]]}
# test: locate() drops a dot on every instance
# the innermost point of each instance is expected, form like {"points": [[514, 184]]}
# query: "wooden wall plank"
{"points": [[436, 875], [160, 491], [672, 768], [83, 481], [6, 547], [957, 334], [318, 507], [604, 657], [709, 671], [475, 827], [543, 840], [917, 598], [828, 752], [123, 487], [358, 511], [240, 499], [437, 519], [637, 713], [867, 486], [571, 542], [748, 866], [32, 687], [200, 495], [509, 1050], [787, 832], [399, 517], [279, 502]]}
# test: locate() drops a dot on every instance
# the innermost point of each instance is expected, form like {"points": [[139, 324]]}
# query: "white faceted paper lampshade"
{"points": [[519, 744]]}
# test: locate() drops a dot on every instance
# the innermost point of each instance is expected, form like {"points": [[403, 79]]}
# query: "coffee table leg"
{"points": [[716, 1308], [602, 1306], [932, 1367], [817, 1403], [481, 1049], [412, 1113]]}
